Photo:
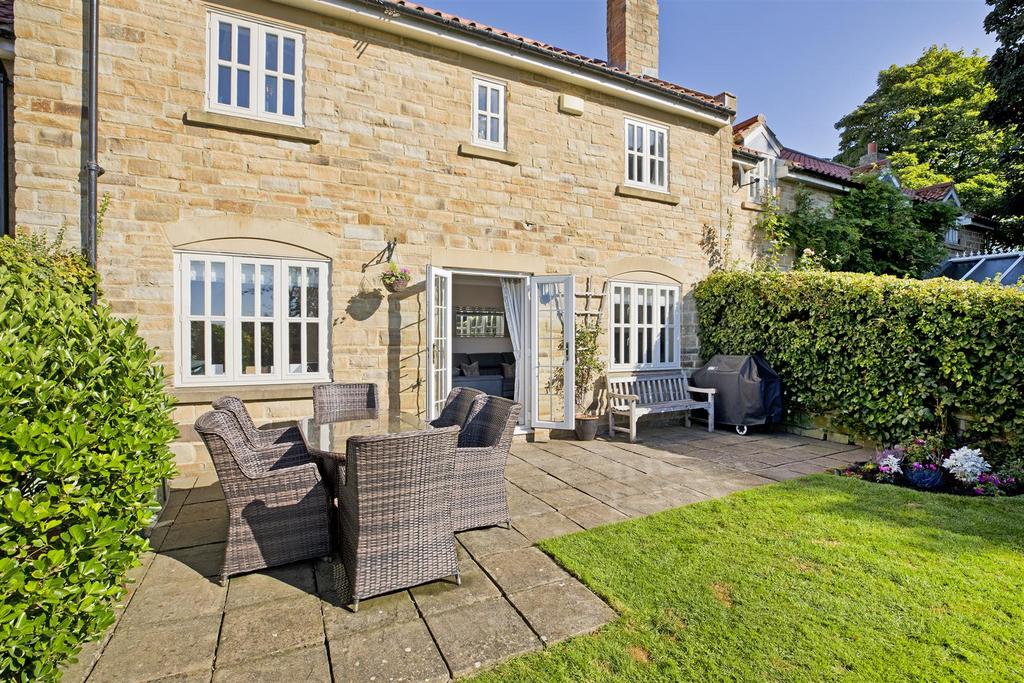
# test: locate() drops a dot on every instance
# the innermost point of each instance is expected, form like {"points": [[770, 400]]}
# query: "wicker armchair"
{"points": [[456, 407], [484, 443], [275, 516], [339, 402], [394, 512], [283, 446]]}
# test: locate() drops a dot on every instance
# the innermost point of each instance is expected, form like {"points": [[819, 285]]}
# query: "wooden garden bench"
{"points": [[649, 394]]}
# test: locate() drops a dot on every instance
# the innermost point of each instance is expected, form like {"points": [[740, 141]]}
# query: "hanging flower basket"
{"points": [[395, 279]]}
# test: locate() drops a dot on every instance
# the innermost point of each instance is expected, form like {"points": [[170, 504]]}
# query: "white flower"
{"points": [[892, 463], [966, 464]]}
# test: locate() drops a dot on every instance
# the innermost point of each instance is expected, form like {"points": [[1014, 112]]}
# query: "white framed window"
{"points": [[250, 319], [253, 69], [763, 179], [488, 113], [646, 155], [645, 326], [953, 236]]}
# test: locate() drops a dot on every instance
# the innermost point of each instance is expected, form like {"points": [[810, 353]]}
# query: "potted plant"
{"points": [[395, 279], [589, 367], [922, 460]]}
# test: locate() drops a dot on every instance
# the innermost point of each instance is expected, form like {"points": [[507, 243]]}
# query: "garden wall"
{"points": [[879, 357]]}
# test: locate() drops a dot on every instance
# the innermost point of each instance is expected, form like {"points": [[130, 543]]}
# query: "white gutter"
{"points": [[799, 177], [452, 40]]}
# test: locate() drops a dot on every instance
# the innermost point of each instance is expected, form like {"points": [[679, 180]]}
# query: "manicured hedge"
{"points": [[84, 427], [884, 358]]}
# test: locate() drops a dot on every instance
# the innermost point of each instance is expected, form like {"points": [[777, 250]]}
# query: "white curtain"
{"points": [[512, 295]]}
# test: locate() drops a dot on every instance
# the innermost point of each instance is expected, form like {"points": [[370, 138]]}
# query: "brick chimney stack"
{"points": [[872, 157], [633, 36]]}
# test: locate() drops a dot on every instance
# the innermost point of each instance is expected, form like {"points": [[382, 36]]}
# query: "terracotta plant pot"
{"points": [[586, 427], [396, 285]]}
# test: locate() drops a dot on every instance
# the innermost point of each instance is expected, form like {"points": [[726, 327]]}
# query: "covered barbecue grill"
{"points": [[749, 391]]}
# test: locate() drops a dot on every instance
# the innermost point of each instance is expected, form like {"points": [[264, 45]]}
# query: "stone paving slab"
{"points": [[482, 634], [561, 610], [287, 624]]}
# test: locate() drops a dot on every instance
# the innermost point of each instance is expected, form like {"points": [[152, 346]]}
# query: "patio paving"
{"points": [[286, 624]]}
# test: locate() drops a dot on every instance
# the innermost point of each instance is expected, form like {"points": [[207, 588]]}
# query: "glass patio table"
{"points": [[330, 439]]}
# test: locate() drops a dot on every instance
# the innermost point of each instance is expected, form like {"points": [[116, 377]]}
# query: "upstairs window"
{"points": [[488, 113], [253, 69], [645, 326], [646, 155], [953, 236]]}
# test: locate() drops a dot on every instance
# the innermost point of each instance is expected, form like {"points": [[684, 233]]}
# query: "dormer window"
{"points": [[763, 179]]}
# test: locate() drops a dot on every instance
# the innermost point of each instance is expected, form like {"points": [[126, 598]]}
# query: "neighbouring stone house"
{"points": [[762, 164], [264, 159]]}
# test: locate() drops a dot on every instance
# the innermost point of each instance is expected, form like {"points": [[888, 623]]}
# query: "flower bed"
{"points": [[929, 464]]}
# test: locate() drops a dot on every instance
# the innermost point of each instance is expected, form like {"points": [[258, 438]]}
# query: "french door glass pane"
{"points": [[217, 284], [312, 347], [217, 350], [266, 290], [266, 348], [197, 288], [248, 348], [243, 45], [550, 351], [289, 56], [312, 292], [248, 286], [294, 291], [197, 343]]}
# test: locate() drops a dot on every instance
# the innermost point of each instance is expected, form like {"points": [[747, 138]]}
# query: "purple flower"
{"points": [[978, 490]]}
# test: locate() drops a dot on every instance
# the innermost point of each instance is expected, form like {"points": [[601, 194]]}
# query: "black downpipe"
{"points": [[5, 209], [91, 167]]}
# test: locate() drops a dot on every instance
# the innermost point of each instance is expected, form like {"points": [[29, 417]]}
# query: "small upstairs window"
{"points": [[253, 69], [764, 180], [488, 113], [646, 155]]}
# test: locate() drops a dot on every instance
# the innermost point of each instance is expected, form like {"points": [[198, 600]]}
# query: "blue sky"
{"points": [[802, 63]]}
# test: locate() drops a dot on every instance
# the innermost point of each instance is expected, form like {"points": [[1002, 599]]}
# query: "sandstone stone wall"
{"points": [[390, 114]]}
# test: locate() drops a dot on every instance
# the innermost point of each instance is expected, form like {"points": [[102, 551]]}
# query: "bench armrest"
{"points": [[626, 397], [701, 390]]}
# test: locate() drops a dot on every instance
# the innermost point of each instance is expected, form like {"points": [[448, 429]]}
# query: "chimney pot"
{"points": [[633, 36]]}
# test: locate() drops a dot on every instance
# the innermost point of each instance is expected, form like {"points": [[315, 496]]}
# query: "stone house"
{"points": [[763, 164], [265, 159]]}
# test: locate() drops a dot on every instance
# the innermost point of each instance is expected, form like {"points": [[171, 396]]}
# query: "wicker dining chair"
{"points": [[480, 498], [275, 516], [456, 407], [394, 511], [283, 445], [337, 402]]}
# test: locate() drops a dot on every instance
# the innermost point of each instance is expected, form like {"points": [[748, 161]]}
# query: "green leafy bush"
{"points": [[84, 427], [882, 357]]}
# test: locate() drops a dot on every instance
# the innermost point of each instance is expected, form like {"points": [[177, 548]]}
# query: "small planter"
{"points": [[396, 285], [924, 479], [586, 427]]}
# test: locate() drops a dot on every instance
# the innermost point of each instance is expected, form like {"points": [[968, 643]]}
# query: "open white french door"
{"points": [[439, 339], [552, 352]]}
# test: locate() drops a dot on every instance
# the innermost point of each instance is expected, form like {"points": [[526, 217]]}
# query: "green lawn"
{"points": [[821, 578]]}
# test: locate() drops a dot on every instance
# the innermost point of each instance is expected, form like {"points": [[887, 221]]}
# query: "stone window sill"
{"points": [[206, 119], [488, 153], [752, 206], [256, 392], [649, 195]]}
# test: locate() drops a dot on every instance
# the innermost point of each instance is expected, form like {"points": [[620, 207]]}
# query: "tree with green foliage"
{"points": [[930, 111], [874, 228], [1005, 72]]}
